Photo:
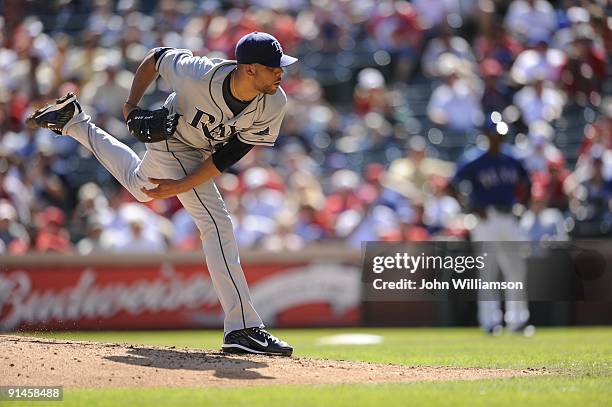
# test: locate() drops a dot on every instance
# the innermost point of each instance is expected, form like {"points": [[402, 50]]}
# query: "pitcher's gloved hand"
{"points": [[151, 126]]}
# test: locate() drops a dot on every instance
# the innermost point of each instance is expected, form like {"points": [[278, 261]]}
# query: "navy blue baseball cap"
{"points": [[262, 48]]}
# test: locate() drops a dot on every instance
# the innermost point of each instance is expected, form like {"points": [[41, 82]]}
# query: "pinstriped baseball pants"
{"points": [[173, 160]]}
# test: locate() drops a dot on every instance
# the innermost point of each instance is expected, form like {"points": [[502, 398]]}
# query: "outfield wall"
{"points": [[312, 288], [118, 291]]}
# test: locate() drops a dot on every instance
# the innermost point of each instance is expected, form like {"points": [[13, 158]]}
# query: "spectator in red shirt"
{"points": [[411, 227], [583, 72], [371, 94], [598, 133], [550, 184], [496, 94], [399, 32], [498, 45], [52, 237], [344, 185]]}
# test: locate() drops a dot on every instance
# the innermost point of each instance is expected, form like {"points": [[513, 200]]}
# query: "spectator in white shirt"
{"points": [[541, 223], [141, 233], [539, 60], [435, 12], [439, 209], [108, 89], [456, 102], [539, 151], [94, 241], [530, 19], [283, 238], [539, 101], [446, 43]]}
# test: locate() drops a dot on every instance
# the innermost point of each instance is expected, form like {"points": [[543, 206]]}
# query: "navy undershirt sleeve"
{"points": [[159, 52], [230, 154]]}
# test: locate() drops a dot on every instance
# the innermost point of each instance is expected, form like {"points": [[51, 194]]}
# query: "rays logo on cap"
{"points": [[277, 46], [262, 48]]}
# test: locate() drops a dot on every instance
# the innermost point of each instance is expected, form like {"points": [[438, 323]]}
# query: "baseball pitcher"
{"points": [[218, 111]]}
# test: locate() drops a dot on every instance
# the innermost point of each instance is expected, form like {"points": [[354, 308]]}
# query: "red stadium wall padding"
{"points": [[164, 296]]}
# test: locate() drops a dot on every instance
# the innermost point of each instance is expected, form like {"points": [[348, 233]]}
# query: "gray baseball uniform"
{"points": [[205, 125]]}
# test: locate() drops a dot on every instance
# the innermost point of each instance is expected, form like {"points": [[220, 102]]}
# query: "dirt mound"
{"points": [[76, 364]]}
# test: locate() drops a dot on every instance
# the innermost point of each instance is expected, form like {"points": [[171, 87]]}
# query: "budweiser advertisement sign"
{"points": [[166, 295]]}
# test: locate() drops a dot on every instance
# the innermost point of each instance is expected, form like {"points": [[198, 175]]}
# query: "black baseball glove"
{"points": [[151, 126]]}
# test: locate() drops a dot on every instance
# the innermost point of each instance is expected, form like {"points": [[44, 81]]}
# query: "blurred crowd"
{"points": [[386, 97]]}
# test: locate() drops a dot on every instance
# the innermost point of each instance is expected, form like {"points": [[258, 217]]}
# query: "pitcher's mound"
{"points": [[75, 364]]}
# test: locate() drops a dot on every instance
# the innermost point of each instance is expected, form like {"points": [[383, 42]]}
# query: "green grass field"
{"points": [[580, 360]]}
